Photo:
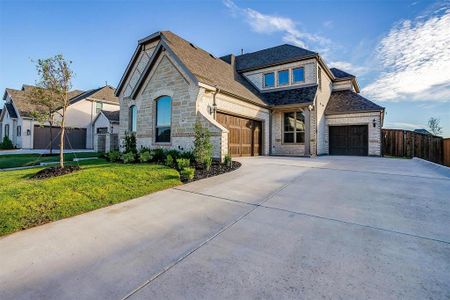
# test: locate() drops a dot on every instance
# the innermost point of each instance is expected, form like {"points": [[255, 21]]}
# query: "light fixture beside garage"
{"points": [[374, 123]]}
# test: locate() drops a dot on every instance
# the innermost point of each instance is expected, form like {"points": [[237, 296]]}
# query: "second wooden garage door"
{"points": [[349, 140], [245, 135]]}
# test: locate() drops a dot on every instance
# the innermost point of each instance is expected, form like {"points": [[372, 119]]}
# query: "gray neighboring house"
{"points": [[106, 131], [282, 100]]}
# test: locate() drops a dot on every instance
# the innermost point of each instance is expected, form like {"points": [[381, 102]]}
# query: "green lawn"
{"points": [[23, 160], [26, 202]]}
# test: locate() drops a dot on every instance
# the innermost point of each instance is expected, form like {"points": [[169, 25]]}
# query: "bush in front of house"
{"points": [[145, 156], [202, 146], [170, 162], [228, 160], [113, 156], [130, 143], [183, 163], [129, 157], [187, 174], [6, 144]]}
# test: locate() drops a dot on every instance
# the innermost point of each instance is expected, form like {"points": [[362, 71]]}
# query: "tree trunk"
{"points": [[51, 139], [61, 141]]}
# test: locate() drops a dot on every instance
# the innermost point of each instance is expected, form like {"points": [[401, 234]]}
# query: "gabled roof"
{"points": [[422, 131], [347, 101], [204, 67], [272, 56], [11, 111], [341, 74], [301, 95], [105, 93], [112, 116]]}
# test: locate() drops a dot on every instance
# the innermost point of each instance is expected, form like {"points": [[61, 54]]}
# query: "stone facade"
{"points": [[358, 119]]}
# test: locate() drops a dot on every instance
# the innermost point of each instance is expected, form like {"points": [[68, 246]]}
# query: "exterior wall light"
{"points": [[28, 132], [374, 123]]}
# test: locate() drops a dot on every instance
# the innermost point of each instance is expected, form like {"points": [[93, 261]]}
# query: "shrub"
{"points": [[129, 157], [6, 143], [130, 143], [207, 163], [187, 155], [169, 161], [227, 160], [145, 156], [202, 145], [183, 163], [159, 155], [187, 174], [113, 156], [174, 153]]}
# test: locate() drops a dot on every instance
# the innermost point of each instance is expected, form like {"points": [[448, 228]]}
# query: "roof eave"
{"points": [[292, 105], [354, 111]]}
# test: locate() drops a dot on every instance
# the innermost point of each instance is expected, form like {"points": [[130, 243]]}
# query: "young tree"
{"points": [[52, 92], [434, 125]]}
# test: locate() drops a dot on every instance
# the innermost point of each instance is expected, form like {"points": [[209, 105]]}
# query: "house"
{"points": [[106, 131], [282, 100], [18, 123], [422, 131]]}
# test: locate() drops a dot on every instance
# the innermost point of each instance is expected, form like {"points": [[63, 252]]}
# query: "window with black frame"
{"points": [[163, 119], [294, 128], [132, 118]]}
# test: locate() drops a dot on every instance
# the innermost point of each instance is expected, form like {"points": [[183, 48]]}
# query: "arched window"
{"points": [[163, 119], [132, 118], [7, 130]]}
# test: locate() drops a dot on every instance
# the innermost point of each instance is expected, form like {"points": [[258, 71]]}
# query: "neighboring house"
{"points": [[278, 101], [17, 122], [422, 131], [106, 131]]}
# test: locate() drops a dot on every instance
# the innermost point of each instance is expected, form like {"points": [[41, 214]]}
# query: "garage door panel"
{"points": [[244, 134], [348, 140]]}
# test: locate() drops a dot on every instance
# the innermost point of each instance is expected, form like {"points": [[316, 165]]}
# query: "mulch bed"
{"points": [[216, 169], [54, 171]]}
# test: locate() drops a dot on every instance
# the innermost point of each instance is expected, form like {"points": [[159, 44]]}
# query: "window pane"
{"points": [[163, 111], [300, 137], [283, 77], [288, 137], [132, 122], [269, 80], [300, 123], [98, 107], [289, 121], [299, 74], [163, 134]]}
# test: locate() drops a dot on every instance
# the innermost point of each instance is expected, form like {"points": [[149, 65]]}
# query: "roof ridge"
{"points": [[273, 47]]}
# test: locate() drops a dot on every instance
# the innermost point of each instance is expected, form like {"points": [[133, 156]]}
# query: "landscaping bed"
{"points": [[216, 169], [55, 171]]}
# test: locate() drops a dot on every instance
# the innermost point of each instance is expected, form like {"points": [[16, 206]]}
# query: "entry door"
{"points": [[245, 135], [349, 140]]}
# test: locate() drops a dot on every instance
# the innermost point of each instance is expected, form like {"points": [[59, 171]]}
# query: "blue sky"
{"points": [[400, 50]]}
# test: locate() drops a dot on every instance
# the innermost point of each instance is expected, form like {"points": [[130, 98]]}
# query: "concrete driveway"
{"points": [[330, 227]]}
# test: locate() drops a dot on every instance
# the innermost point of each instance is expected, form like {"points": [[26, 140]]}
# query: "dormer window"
{"points": [[283, 77], [298, 75], [269, 80]]}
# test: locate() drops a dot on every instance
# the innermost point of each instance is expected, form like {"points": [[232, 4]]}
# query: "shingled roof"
{"points": [[211, 70], [271, 56], [112, 116], [341, 74], [349, 102], [102, 93], [291, 96]]}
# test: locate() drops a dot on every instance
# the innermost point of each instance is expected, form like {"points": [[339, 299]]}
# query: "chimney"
{"points": [[242, 51]]}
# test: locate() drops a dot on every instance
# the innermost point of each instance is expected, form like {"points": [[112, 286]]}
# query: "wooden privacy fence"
{"points": [[446, 158], [405, 143]]}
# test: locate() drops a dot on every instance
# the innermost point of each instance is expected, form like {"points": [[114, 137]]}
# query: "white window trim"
{"points": [[289, 77], [299, 81], [274, 80]]}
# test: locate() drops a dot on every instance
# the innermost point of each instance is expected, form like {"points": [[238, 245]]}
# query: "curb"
{"points": [[437, 167]]}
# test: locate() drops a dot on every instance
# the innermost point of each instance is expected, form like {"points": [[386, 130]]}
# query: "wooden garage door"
{"points": [[245, 135], [349, 140], [74, 138]]}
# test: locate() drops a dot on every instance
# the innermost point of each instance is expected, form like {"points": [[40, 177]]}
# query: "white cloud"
{"points": [[349, 67], [415, 56], [267, 24], [329, 24]]}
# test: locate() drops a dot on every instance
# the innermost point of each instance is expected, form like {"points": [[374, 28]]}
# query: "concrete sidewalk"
{"points": [[333, 227]]}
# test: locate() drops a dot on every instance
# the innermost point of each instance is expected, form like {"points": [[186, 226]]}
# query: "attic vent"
{"points": [[192, 45]]}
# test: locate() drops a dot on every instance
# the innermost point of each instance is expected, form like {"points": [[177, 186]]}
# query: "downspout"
{"points": [[214, 106]]}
